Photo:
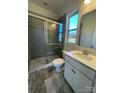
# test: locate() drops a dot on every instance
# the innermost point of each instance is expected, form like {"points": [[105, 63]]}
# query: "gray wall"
{"points": [[36, 42]]}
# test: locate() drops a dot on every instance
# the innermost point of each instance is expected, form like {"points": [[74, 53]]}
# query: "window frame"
{"points": [[72, 14]]}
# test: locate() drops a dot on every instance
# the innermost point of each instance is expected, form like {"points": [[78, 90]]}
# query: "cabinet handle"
{"points": [[73, 71]]}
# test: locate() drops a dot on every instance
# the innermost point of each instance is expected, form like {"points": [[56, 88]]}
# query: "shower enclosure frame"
{"points": [[45, 32]]}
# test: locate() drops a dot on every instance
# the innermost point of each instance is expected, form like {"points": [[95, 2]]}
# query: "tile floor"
{"points": [[46, 80], [37, 63]]}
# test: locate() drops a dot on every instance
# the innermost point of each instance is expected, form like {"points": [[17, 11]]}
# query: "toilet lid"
{"points": [[58, 62]]}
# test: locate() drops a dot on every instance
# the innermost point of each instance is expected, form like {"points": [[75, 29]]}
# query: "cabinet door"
{"points": [[94, 86], [83, 83], [69, 75], [78, 81]]}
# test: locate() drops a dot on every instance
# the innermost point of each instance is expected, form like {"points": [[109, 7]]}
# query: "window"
{"points": [[60, 32], [72, 28]]}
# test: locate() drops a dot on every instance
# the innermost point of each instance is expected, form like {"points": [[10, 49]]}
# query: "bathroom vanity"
{"points": [[80, 71]]}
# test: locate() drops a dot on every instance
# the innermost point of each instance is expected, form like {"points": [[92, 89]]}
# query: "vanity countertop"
{"points": [[89, 63]]}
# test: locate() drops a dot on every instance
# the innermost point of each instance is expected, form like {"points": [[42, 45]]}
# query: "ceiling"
{"points": [[54, 5]]}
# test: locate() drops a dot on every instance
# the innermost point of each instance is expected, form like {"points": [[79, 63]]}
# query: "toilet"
{"points": [[57, 63]]}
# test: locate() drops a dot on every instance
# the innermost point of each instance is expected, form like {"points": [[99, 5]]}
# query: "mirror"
{"points": [[88, 30]]}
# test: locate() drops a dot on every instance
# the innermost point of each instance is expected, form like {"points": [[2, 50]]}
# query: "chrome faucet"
{"points": [[85, 52]]}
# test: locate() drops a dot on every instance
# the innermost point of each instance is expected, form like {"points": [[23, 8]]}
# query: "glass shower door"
{"points": [[36, 43], [53, 38]]}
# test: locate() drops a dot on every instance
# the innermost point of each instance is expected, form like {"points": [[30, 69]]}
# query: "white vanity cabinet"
{"points": [[77, 80], [79, 77]]}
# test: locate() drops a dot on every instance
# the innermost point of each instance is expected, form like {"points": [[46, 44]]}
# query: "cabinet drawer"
{"points": [[81, 67]]}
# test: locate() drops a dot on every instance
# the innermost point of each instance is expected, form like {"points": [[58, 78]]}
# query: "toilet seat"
{"points": [[57, 63]]}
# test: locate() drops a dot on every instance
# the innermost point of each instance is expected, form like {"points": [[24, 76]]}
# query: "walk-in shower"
{"points": [[44, 38]]}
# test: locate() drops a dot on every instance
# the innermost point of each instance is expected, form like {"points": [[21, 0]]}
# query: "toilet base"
{"points": [[58, 68]]}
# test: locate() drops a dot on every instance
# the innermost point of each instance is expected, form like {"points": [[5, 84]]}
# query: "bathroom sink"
{"points": [[83, 57], [86, 57]]}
